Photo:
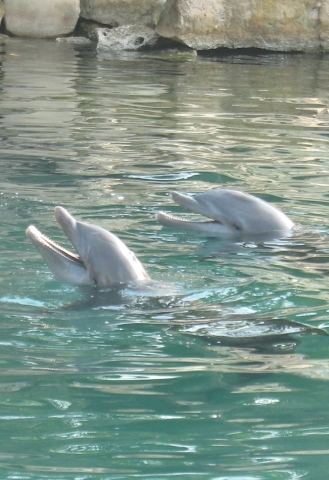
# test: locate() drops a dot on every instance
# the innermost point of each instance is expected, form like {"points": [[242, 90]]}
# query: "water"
{"points": [[217, 370]]}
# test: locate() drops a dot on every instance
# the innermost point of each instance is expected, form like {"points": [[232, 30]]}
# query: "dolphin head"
{"points": [[229, 213], [102, 258]]}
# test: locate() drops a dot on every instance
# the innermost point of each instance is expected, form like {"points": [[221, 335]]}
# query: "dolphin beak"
{"points": [[66, 266], [190, 203]]}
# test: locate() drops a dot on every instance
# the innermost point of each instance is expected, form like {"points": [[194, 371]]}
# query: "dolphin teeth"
{"points": [[173, 217], [169, 216], [54, 246]]}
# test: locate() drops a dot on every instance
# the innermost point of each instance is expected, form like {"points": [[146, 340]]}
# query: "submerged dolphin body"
{"points": [[102, 258], [231, 213]]}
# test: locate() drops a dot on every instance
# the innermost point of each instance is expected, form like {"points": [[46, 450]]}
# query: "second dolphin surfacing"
{"points": [[231, 213], [101, 259]]}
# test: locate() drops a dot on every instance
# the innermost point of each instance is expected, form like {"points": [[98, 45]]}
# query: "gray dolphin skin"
{"points": [[230, 212], [101, 259]]}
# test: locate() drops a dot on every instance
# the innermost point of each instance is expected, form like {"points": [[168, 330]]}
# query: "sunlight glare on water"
{"points": [[218, 368]]}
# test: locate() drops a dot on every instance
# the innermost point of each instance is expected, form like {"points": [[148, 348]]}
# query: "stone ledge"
{"points": [[293, 25]]}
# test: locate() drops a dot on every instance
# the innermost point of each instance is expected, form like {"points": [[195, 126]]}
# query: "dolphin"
{"points": [[231, 212], [101, 259]]}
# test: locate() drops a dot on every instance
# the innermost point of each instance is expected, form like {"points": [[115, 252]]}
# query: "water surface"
{"points": [[219, 368]]}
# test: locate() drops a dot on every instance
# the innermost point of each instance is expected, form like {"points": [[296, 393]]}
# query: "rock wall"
{"points": [[269, 24], [121, 12], [41, 18], [289, 25], [2, 11]]}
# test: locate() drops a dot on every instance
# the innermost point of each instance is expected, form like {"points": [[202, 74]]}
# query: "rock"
{"points": [[267, 24], [2, 11], [324, 25], [121, 12], [41, 18], [74, 40], [127, 37]]}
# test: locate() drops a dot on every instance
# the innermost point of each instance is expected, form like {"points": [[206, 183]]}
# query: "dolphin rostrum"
{"points": [[231, 213], [102, 258]]}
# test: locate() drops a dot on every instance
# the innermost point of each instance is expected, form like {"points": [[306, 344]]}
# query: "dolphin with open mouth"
{"points": [[231, 213], [101, 259]]}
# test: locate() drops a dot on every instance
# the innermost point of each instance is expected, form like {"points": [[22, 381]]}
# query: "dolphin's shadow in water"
{"points": [[262, 335], [211, 324]]}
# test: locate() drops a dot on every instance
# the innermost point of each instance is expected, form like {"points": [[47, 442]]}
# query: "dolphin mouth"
{"points": [[207, 225], [66, 266], [42, 241], [170, 220]]}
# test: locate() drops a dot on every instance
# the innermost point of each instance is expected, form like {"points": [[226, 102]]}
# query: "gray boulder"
{"points": [[41, 18], [2, 11], [300, 25], [324, 25], [127, 37], [121, 12]]}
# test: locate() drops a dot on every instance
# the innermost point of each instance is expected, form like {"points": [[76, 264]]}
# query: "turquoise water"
{"points": [[219, 368]]}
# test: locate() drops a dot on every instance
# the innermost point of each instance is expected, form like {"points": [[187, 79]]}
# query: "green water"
{"points": [[178, 379]]}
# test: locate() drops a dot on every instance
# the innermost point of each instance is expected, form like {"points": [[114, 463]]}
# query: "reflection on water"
{"points": [[219, 367]]}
